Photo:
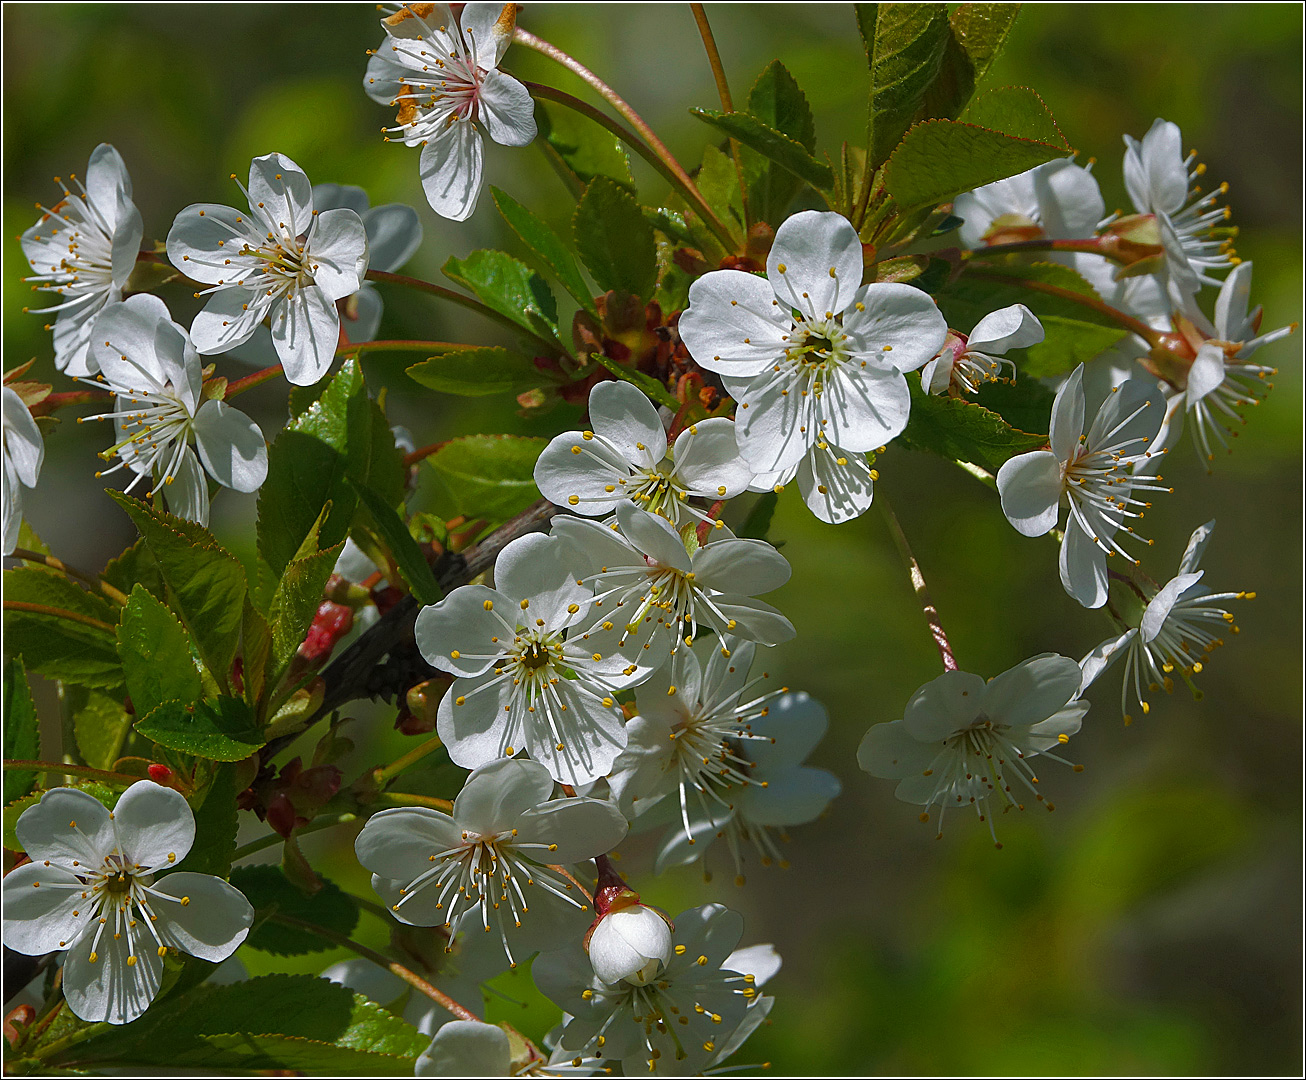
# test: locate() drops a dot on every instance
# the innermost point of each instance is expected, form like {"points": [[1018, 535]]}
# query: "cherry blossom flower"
{"points": [[1182, 624], [281, 260], [94, 888], [1058, 200], [441, 73], [631, 943], [676, 1024], [24, 452], [1092, 474], [488, 863], [536, 671], [626, 457], [84, 249], [837, 485], [962, 741], [471, 1048], [652, 589], [809, 354], [968, 361]]}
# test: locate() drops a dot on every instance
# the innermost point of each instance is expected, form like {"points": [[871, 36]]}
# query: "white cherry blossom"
{"points": [[963, 741], [837, 485], [441, 73], [159, 410], [654, 594], [1058, 200], [84, 249], [471, 1048], [1093, 474], [24, 452], [631, 943], [94, 888], [809, 354], [967, 361], [626, 457], [281, 260], [487, 865], [536, 671]]}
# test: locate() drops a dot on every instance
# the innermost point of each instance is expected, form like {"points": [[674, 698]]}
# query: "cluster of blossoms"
{"points": [[603, 676]]}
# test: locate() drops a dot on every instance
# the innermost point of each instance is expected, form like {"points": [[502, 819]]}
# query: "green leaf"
{"points": [[298, 595], [777, 101], [157, 658], [407, 555], [309, 465], [718, 183], [772, 145], [1017, 111], [963, 431], [387, 474], [1073, 333], [255, 651], [268, 889], [758, 522], [215, 826], [207, 580], [978, 32], [100, 726], [135, 566], [905, 45], [581, 147], [939, 159], [547, 246], [222, 730], [1025, 404], [614, 241], [22, 735], [55, 646], [510, 287], [488, 476], [474, 372]]}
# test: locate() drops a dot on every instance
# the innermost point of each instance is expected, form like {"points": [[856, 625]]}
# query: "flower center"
{"points": [[536, 655]]}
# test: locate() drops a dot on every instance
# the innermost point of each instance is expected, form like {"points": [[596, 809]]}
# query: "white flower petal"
{"points": [[835, 493], [944, 705], [1069, 200], [539, 570], [204, 236], [110, 989], [734, 324], [394, 233], [1083, 567], [1067, 423], [791, 797], [561, 474], [773, 426], [24, 447], [450, 170], [421, 908], [506, 109], [38, 911], [1206, 374], [1032, 690], [1196, 547], [188, 494], [481, 729], [463, 624], [740, 566], [496, 795], [891, 752], [1102, 657], [212, 925], [1158, 610], [337, 252], [653, 536], [901, 317], [822, 260], [306, 333], [398, 843], [231, 446], [1029, 486], [466, 1048], [593, 735], [752, 619], [67, 825], [866, 408], [338, 197], [1013, 327], [581, 829], [620, 413], [126, 345], [280, 190], [156, 823], [760, 961], [229, 319], [708, 461]]}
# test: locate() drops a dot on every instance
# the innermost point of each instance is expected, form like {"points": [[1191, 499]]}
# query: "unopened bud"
{"points": [[631, 942]]}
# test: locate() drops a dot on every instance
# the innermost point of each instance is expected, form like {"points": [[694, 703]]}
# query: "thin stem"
{"points": [[723, 92], [917, 582], [1152, 337], [413, 756], [59, 613], [424, 452], [325, 821], [1092, 246], [410, 977], [469, 302], [20, 765], [633, 118], [404, 798], [355, 348], [250, 381], [54, 402], [982, 475], [71, 571]]}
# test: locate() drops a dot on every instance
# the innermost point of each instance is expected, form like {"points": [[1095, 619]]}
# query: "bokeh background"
{"points": [[1153, 923]]}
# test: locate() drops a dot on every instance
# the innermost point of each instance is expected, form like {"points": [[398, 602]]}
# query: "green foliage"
{"points": [[222, 730], [614, 241], [1073, 332], [60, 646], [510, 287], [215, 826], [100, 725], [298, 594], [773, 145], [22, 735], [758, 522], [476, 371], [206, 580], [963, 431], [135, 566], [579, 148], [1017, 111], [320, 1027], [978, 32], [718, 183], [1025, 404], [255, 651], [776, 101], [488, 476], [271, 893], [547, 247], [403, 548], [158, 662]]}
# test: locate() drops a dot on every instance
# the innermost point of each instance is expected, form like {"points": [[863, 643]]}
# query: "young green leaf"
{"points": [[77, 646], [1016, 111], [718, 182], [488, 476], [772, 145], [271, 893], [777, 101], [158, 662], [978, 32], [215, 825], [547, 246], [510, 287], [1025, 404], [475, 372], [614, 240], [135, 566], [963, 430], [100, 725], [222, 730], [403, 548], [582, 148], [22, 736]]}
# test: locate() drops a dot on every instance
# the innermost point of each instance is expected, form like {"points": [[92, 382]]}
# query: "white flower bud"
{"points": [[633, 944]]}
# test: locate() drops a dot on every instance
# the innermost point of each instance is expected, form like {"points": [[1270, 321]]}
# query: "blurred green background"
{"points": [[1153, 923]]}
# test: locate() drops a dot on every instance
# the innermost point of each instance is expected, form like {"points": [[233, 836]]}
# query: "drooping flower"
{"points": [[24, 452], [471, 1048], [675, 1024], [625, 457], [536, 669], [652, 592], [630, 942], [150, 364], [963, 741], [1094, 474], [1182, 624], [1058, 200], [93, 888], [441, 73], [84, 249], [966, 362], [810, 355], [487, 865], [281, 260]]}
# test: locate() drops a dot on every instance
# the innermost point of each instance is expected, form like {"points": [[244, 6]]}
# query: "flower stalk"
{"points": [[116, 595], [918, 584], [727, 104]]}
